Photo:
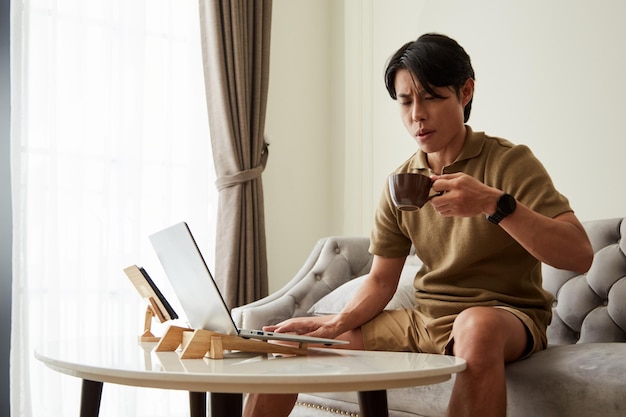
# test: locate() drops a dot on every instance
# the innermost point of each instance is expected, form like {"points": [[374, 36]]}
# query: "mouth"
{"points": [[424, 134]]}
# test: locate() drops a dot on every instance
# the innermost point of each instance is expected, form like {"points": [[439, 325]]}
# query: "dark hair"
{"points": [[436, 61]]}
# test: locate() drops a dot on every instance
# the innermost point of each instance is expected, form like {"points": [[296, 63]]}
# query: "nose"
{"points": [[417, 112]]}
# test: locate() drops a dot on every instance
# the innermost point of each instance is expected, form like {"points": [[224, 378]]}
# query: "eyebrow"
{"points": [[421, 92]]}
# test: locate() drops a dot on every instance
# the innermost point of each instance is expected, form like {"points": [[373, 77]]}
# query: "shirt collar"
{"points": [[474, 142]]}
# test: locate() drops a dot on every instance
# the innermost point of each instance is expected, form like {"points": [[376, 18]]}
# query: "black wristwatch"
{"points": [[505, 206]]}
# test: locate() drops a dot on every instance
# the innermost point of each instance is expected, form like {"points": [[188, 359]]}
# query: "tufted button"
{"points": [[605, 303], [554, 303], [337, 250], [318, 277], [296, 304]]}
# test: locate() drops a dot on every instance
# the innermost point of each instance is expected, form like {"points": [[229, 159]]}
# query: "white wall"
{"points": [[295, 181], [549, 75]]}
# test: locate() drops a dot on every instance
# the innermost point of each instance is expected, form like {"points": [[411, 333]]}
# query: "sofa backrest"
{"points": [[587, 308], [591, 308]]}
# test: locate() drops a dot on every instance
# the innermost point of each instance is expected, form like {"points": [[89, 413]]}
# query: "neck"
{"points": [[435, 166], [437, 161]]}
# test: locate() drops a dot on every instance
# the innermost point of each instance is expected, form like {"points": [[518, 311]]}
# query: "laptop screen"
{"points": [[191, 279]]}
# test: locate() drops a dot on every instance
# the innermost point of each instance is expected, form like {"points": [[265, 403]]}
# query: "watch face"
{"points": [[507, 204]]}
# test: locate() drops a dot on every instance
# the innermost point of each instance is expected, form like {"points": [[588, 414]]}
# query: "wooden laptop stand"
{"points": [[147, 335], [197, 344], [155, 308]]}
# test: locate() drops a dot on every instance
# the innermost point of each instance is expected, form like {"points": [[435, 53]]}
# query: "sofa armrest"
{"points": [[590, 307], [332, 262]]}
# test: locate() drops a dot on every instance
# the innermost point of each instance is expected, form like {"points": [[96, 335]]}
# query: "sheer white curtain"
{"points": [[110, 143]]}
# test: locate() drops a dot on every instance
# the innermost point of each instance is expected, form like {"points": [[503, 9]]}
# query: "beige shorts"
{"points": [[412, 331]]}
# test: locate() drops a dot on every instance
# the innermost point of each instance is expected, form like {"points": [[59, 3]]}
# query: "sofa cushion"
{"points": [[572, 380], [581, 380], [337, 299]]}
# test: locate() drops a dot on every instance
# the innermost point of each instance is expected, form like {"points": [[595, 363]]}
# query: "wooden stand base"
{"points": [[197, 344], [147, 335]]}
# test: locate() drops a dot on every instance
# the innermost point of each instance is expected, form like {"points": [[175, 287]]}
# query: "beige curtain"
{"points": [[235, 48]]}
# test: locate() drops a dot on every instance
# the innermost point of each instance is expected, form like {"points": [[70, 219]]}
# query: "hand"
{"points": [[464, 196], [320, 326]]}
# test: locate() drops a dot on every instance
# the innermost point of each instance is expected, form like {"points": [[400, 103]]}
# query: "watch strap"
{"points": [[496, 217], [506, 205]]}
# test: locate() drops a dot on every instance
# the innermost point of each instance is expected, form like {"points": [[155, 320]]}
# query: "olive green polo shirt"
{"points": [[469, 261]]}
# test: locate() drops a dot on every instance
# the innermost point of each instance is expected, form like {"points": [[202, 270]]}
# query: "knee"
{"points": [[479, 334], [477, 318]]}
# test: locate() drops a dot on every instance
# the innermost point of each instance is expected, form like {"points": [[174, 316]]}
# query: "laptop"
{"points": [[197, 291]]}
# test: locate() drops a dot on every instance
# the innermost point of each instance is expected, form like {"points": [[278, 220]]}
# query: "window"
{"points": [[110, 143]]}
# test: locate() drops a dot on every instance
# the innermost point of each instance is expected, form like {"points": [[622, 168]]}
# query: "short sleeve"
{"points": [[522, 175]]}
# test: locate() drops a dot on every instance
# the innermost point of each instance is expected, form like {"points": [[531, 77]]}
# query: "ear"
{"points": [[467, 91]]}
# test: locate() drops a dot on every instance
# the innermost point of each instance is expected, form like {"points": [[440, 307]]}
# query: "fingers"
{"points": [[314, 326], [292, 326], [457, 182], [435, 177], [282, 328], [463, 195], [442, 183]]}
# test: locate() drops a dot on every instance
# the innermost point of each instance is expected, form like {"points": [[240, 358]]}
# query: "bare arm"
{"points": [[372, 296], [560, 242], [370, 299]]}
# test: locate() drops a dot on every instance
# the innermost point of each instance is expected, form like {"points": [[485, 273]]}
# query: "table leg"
{"points": [[226, 405], [197, 404], [373, 403], [90, 398]]}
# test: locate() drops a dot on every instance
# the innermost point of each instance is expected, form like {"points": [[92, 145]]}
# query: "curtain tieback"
{"points": [[245, 175]]}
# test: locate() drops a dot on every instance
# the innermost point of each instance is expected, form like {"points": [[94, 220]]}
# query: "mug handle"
{"points": [[438, 194]]}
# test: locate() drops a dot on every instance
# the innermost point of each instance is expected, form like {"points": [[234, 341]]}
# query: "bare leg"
{"points": [[486, 338], [280, 405]]}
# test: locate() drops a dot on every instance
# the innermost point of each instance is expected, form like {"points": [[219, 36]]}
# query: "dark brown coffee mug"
{"points": [[410, 191]]}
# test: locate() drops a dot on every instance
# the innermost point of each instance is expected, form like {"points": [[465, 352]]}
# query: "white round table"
{"points": [[322, 370]]}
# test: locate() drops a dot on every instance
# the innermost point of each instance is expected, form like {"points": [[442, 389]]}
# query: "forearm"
{"points": [[362, 308], [372, 296], [560, 242], [369, 300]]}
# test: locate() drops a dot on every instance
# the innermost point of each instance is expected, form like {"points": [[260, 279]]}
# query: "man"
{"points": [[479, 294]]}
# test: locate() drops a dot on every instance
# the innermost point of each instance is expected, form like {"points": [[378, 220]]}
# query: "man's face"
{"points": [[435, 123]]}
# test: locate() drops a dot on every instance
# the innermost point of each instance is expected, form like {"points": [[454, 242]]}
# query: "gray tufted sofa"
{"points": [[581, 374]]}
